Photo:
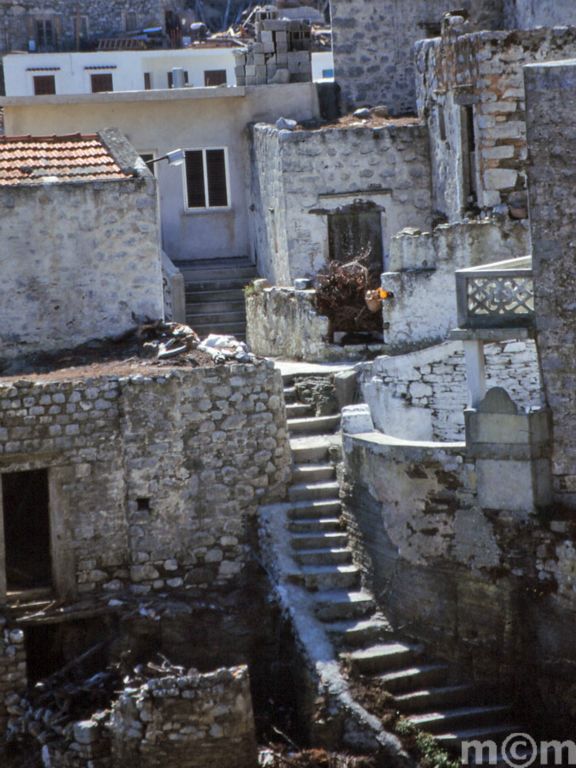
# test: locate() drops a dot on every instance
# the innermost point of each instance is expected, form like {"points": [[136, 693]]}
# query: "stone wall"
{"points": [[421, 275], [486, 589], [526, 14], [471, 90], [550, 91], [153, 477], [103, 18], [373, 45], [13, 674], [192, 721], [301, 177], [422, 395], [79, 261]]}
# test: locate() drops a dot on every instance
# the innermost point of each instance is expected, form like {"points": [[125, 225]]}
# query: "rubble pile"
{"points": [[276, 757]]}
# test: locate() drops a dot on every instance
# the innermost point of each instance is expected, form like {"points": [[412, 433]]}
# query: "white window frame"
{"points": [[208, 208]]}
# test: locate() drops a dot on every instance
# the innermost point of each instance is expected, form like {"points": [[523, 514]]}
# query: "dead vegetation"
{"points": [[277, 757], [341, 296]]}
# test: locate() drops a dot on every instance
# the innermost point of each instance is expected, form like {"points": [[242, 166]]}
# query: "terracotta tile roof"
{"points": [[36, 160]]}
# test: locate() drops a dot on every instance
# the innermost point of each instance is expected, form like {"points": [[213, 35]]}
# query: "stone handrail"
{"points": [[499, 295]]}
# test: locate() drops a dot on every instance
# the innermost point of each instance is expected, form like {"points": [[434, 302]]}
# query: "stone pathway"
{"points": [[321, 586]]}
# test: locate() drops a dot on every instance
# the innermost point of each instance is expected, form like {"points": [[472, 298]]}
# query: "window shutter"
{"points": [[195, 180], [216, 167]]}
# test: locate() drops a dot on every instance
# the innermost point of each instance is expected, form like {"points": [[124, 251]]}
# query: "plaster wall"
{"points": [[160, 121], [79, 261], [300, 177], [421, 275], [526, 14]]}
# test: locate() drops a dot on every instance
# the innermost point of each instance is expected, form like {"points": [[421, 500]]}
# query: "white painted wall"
{"points": [[72, 70], [322, 61]]}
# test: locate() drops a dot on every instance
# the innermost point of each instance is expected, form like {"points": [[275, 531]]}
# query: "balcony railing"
{"points": [[499, 295]]}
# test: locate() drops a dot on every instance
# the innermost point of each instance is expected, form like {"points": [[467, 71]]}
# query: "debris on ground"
{"points": [[277, 757], [223, 349]]}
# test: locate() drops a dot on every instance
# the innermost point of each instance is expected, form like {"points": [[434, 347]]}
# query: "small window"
{"points": [[214, 77], [45, 33], [171, 78], [130, 21], [206, 178], [101, 83], [81, 28], [44, 85], [147, 81]]}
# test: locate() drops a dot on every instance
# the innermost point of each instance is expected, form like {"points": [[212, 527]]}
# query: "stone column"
{"points": [[550, 109]]}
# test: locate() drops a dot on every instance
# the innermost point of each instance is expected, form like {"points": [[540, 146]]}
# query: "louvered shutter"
{"points": [[195, 179], [216, 168]]}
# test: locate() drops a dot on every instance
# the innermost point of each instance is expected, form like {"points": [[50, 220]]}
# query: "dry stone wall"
{"points": [[422, 395], [477, 78], [301, 177], [153, 478], [90, 269], [373, 45]]}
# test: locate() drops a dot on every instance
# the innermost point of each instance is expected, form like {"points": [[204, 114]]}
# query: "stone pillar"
{"points": [[511, 450], [550, 107]]}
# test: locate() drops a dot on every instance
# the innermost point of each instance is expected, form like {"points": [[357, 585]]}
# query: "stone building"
{"points": [[81, 253], [51, 25]]}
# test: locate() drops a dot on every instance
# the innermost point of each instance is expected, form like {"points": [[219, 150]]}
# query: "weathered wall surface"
{"points": [[487, 588], [153, 478], [300, 177], [79, 261], [373, 45], [193, 721], [421, 275], [104, 18], [422, 395], [550, 91], [478, 77], [526, 14]]}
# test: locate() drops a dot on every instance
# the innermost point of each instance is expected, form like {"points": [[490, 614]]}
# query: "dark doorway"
{"points": [[27, 530], [357, 235], [470, 192]]}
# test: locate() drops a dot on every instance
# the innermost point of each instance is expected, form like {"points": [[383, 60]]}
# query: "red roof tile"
{"points": [[35, 160]]}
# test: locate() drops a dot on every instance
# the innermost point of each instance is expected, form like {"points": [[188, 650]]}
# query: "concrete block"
{"points": [[346, 387], [259, 59], [250, 70], [357, 419]]}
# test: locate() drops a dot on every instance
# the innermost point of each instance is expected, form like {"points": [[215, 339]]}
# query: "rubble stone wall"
{"points": [[550, 92], [374, 40], [300, 177], [527, 14], [421, 275], [481, 72], [152, 478], [103, 18], [91, 269], [193, 721], [488, 591], [422, 395], [13, 674]]}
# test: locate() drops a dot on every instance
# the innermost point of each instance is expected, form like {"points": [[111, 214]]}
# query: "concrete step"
{"points": [[356, 632], [315, 508], [311, 491], [213, 318], [202, 307], [414, 677], [226, 295], [319, 542], [225, 329], [306, 450], [316, 525], [313, 473], [328, 577], [202, 285], [316, 425], [340, 604], [431, 699], [326, 556], [298, 410], [453, 739], [383, 657], [449, 720]]}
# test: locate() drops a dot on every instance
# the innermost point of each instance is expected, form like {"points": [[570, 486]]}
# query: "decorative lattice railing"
{"points": [[499, 295]]}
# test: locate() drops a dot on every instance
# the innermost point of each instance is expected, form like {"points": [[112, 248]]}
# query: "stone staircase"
{"points": [[319, 560], [215, 294]]}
